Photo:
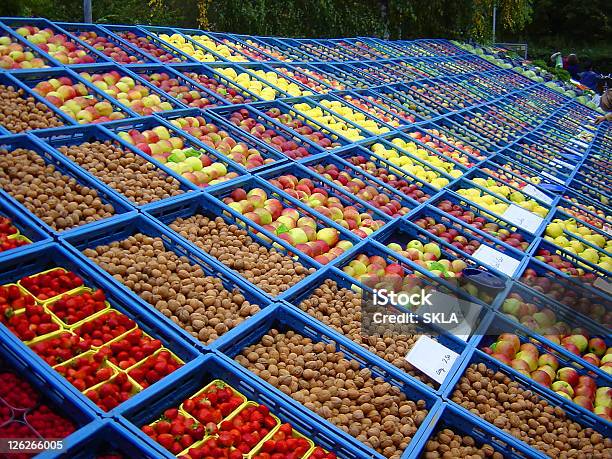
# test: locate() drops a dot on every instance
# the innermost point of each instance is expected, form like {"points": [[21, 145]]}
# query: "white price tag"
{"points": [[552, 177], [603, 284], [523, 218], [534, 192], [564, 164], [432, 358], [573, 152], [494, 258]]}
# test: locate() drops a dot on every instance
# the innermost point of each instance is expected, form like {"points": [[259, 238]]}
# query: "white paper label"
{"points": [[552, 177], [494, 258], [603, 284], [523, 218], [432, 358], [564, 164], [534, 192], [573, 152]]}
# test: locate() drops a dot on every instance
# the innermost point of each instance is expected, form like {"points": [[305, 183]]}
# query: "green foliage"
{"points": [[561, 74]]}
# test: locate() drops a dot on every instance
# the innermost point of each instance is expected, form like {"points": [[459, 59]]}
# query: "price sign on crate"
{"points": [[523, 218], [537, 194], [564, 164], [500, 261], [552, 177], [432, 358]]}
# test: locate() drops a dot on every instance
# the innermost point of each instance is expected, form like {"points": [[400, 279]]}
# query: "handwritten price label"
{"points": [[494, 258], [537, 194], [432, 358], [523, 218]]}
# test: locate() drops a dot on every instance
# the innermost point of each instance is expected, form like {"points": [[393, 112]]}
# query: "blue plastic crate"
{"points": [[215, 366], [107, 195], [404, 96], [339, 171], [138, 37], [200, 75], [563, 319], [80, 31], [8, 80], [41, 23], [247, 47], [285, 318], [297, 295], [132, 73], [186, 36], [187, 206], [322, 184], [574, 413], [458, 288], [101, 437], [15, 38], [454, 140], [489, 130], [340, 73], [57, 138], [32, 78], [157, 74], [273, 51], [466, 424], [272, 157], [124, 129], [413, 188], [572, 291], [319, 74], [274, 131], [376, 107], [47, 256], [575, 259], [223, 194], [121, 228], [509, 161], [465, 230]]}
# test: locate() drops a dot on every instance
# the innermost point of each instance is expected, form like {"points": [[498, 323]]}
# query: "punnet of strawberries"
{"points": [[131, 349], [247, 428], [12, 243], [112, 393], [175, 431], [284, 444], [154, 368], [33, 322], [86, 371], [58, 349], [51, 284], [104, 328], [71, 309], [214, 404], [213, 448]]}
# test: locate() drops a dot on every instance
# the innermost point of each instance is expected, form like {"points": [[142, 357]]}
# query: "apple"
{"points": [[569, 375], [549, 360], [597, 346], [584, 402], [563, 386], [520, 365], [529, 358], [329, 235], [579, 341], [541, 377]]}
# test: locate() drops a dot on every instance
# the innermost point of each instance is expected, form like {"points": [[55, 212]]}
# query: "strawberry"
{"points": [[8, 244]]}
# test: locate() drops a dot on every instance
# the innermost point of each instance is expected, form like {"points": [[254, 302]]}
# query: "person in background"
{"points": [[556, 60], [606, 105], [572, 66], [589, 78]]}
